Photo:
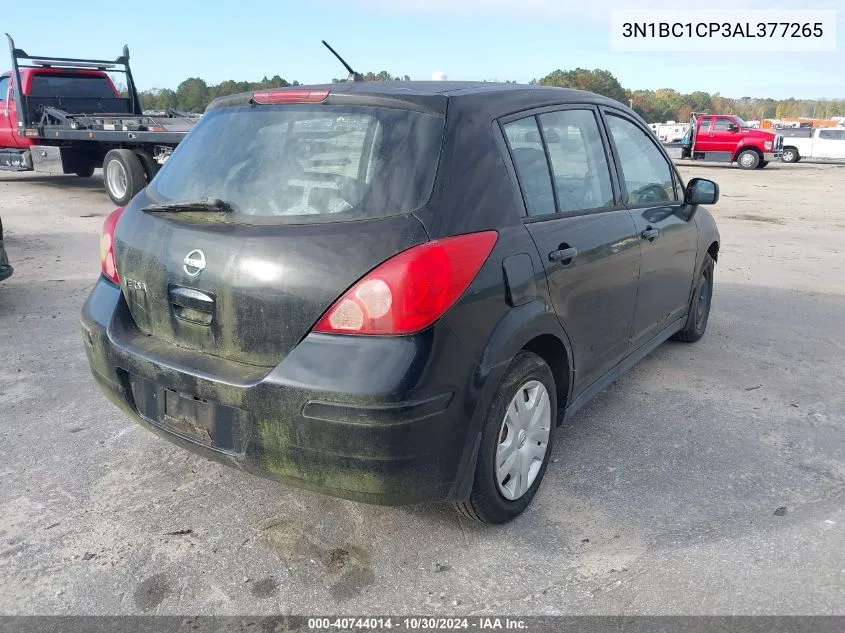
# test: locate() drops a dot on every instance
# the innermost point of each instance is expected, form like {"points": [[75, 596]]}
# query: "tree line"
{"points": [[194, 94], [665, 104]]}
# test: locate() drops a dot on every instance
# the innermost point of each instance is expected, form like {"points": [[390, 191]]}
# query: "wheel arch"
{"points": [[556, 355], [533, 327], [743, 148], [713, 250]]}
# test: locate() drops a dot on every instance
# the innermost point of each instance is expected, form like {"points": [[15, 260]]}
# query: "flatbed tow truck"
{"points": [[61, 115], [726, 138]]}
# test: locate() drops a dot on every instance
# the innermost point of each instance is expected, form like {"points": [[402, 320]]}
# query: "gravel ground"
{"points": [[708, 480]]}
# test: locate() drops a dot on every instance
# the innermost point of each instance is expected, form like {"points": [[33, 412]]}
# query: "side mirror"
{"points": [[733, 127], [701, 191]]}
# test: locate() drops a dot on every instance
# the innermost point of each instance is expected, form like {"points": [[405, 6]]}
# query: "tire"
{"points": [[699, 313], [123, 175], [85, 172], [762, 164], [748, 159], [790, 155], [528, 378], [151, 167]]}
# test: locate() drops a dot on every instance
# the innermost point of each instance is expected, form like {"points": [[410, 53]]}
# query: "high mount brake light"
{"points": [[289, 96], [411, 290], [107, 245]]}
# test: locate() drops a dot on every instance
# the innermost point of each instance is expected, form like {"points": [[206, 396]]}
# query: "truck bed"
{"points": [[57, 125]]}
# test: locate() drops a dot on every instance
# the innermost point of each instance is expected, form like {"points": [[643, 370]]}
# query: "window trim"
{"points": [[535, 113], [548, 162], [673, 168]]}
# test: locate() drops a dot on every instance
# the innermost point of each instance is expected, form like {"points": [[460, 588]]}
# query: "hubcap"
{"points": [[523, 439], [747, 159], [787, 155], [116, 178]]}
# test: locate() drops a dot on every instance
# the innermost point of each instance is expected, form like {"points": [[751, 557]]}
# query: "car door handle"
{"points": [[563, 255], [649, 234]]}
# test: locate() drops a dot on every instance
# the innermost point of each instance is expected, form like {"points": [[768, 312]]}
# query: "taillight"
{"points": [[411, 290], [284, 95], [107, 245]]}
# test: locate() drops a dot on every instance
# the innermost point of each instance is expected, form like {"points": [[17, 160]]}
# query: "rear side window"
{"points": [[529, 158], [307, 163], [832, 135], [71, 86], [579, 163], [705, 125], [647, 174], [4, 88]]}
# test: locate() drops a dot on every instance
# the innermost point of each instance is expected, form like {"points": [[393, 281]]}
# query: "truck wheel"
{"points": [[790, 155], [748, 159], [124, 175], [85, 172]]}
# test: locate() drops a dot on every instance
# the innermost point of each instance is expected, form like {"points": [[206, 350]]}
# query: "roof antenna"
{"points": [[353, 76]]}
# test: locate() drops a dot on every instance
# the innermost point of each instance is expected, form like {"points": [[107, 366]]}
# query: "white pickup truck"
{"points": [[821, 143]]}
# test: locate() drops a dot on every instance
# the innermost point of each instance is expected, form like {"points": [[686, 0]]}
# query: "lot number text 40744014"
{"points": [[417, 624]]}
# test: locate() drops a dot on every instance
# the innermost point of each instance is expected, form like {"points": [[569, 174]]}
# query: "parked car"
{"points": [[404, 309], [6, 269], [821, 143], [727, 139]]}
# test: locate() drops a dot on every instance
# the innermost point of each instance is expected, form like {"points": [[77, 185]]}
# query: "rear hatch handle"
{"points": [[192, 305]]}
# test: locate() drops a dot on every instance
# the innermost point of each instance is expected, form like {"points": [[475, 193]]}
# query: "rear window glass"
{"points": [[71, 86], [307, 163]]}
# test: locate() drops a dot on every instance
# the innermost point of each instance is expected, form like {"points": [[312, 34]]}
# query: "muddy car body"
{"points": [[433, 277]]}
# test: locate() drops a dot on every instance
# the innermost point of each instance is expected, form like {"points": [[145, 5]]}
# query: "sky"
{"points": [[467, 39]]}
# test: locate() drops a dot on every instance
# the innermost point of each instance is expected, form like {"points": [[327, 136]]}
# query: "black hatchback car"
{"points": [[394, 292]]}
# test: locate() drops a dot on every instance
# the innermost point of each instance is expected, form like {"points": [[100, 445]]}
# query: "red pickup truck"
{"points": [[728, 139]]}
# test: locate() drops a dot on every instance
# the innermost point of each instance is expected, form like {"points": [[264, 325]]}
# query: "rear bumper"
{"points": [[362, 418]]}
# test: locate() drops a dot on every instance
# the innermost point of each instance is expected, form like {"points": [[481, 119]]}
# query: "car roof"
{"points": [[494, 99]]}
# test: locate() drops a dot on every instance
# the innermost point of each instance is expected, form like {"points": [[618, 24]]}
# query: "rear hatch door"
{"points": [[315, 195]]}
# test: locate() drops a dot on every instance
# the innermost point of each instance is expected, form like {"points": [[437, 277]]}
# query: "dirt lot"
{"points": [[710, 479]]}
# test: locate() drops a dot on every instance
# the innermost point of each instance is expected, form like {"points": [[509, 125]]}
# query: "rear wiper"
{"points": [[199, 204]]}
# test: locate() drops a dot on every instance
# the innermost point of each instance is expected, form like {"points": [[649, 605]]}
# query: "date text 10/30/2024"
{"points": [[417, 624]]}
